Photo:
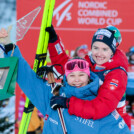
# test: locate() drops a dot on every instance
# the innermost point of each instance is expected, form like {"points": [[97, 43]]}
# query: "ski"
{"points": [[40, 59]]}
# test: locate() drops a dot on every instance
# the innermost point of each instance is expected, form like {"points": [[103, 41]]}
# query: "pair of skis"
{"points": [[40, 60]]}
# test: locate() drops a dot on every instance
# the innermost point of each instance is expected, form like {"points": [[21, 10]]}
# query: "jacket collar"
{"points": [[87, 92]]}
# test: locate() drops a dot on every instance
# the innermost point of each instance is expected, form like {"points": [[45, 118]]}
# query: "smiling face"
{"points": [[101, 52], [77, 79]]}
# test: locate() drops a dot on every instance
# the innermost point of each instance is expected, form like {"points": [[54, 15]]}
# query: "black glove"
{"points": [[52, 34], [59, 102], [9, 47]]}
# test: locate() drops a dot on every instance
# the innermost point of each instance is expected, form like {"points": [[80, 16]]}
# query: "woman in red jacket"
{"points": [[109, 63]]}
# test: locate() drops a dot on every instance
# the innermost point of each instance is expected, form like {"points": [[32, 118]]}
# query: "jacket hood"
{"points": [[119, 59], [87, 92]]}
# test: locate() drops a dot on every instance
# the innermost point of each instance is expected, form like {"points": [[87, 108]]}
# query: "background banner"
{"points": [[76, 21]]}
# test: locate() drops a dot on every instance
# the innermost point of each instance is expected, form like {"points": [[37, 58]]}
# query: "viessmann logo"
{"points": [[64, 7]]}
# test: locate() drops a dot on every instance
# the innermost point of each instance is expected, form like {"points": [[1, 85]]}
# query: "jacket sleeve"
{"points": [[109, 95], [34, 88], [57, 54]]}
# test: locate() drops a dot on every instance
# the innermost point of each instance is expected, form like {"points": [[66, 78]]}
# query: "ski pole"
{"points": [[42, 72], [52, 82]]}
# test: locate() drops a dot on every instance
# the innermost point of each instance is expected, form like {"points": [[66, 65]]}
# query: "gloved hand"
{"points": [[59, 102], [52, 34], [8, 47]]}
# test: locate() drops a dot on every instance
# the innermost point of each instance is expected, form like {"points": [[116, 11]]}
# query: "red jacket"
{"points": [[108, 97]]}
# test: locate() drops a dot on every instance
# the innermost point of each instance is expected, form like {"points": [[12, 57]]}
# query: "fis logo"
{"points": [[65, 15]]}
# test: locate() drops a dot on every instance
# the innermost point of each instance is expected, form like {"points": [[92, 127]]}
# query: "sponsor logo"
{"points": [[104, 32], [122, 124], [62, 12], [53, 121], [86, 13], [58, 48], [87, 122]]}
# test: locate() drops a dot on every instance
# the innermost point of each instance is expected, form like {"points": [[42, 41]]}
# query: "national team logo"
{"points": [[46, 117], [98, 67], [113, 84], [115, 114], [100, 37]]}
